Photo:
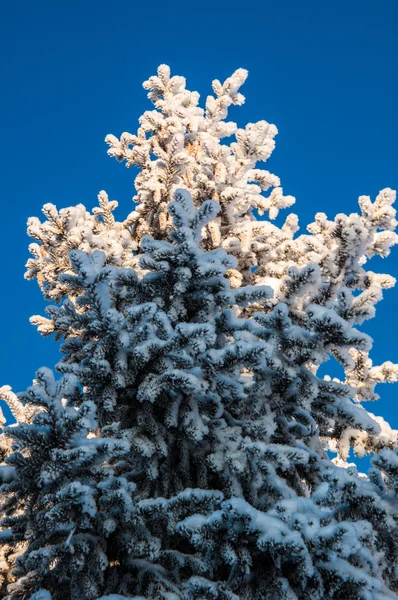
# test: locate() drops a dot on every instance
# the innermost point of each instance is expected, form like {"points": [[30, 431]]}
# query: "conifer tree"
{"points": [[183, 451]]}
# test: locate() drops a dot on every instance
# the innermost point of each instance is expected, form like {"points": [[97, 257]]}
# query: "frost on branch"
{"points": [[57, 488], [74, 228], [179, 145]]}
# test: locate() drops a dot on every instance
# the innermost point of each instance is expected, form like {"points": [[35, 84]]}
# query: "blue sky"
{"points": [[324, 72]]}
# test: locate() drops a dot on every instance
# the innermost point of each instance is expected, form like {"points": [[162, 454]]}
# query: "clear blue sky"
{"points": [[324, 72]]}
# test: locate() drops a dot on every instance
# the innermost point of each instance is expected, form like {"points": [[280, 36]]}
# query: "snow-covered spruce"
{"points": [[181, 454], [179, 144]]}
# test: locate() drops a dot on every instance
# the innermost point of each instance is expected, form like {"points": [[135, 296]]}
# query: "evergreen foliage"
{"points": [[184, 451]]}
